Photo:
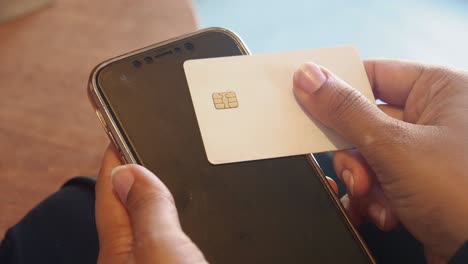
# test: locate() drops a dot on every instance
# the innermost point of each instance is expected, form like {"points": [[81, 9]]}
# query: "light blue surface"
{"points": [[429, 31]]}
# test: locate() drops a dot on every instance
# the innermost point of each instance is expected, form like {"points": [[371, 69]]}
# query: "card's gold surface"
{"points": [[225, 100]]}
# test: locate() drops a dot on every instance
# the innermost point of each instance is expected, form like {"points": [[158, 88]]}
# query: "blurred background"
{"points": [[426, 30], [48, 130]]}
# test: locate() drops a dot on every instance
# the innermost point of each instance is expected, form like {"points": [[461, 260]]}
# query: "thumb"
{"points": [[338, 106], [157, 234], [149, 203]]}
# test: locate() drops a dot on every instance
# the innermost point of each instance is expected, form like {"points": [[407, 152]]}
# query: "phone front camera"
{"points": [[148, 60], [188, 46], [137, 64]]}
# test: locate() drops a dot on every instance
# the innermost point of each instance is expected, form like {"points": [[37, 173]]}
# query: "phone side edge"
{"points": [[339, 205]]}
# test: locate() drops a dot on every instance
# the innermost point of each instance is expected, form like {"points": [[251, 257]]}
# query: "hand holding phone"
{"points": [[145, 216], [150, 212]]}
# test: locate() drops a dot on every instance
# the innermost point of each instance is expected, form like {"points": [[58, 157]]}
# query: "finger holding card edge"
{"points": [[393, 80]]}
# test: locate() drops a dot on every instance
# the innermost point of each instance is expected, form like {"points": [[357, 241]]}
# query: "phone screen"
{"points": [[266, 211]]}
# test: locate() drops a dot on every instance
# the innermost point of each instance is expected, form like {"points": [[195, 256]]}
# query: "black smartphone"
{"points": [[267, 211]]}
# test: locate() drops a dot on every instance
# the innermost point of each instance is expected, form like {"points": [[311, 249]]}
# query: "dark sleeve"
{"points": [[461, 256], [61, 229]]}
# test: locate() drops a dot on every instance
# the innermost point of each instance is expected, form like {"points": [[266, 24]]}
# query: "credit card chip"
{"points": [[225, 100]]}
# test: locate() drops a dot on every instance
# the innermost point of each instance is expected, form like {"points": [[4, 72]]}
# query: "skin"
{"points": [[137, 220], [409, 165]]}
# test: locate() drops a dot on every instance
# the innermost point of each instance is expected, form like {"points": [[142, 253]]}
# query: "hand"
{"points": [[411, 161], [136, 218]]}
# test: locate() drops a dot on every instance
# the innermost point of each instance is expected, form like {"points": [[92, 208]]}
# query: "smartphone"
{"points": [[266, 211]]}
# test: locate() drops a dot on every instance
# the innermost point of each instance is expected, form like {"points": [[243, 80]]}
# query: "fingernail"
{"points": [[378, 213], [309, 77], [382, 217], [122, 179], [349, 181], [345, 201]]}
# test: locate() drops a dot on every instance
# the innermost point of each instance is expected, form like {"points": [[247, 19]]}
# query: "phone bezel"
{"points": [[119, 141]]}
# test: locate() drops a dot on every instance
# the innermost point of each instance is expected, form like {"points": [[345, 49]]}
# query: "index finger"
{"points": [[393, 80]]}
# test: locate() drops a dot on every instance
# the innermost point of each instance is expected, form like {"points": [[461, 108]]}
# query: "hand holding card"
{"points": [[246, 109]]}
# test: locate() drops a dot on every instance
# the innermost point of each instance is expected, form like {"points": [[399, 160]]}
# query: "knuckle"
{"points": [[438, 81], [117, 245], [159, 245], [398, 137], [150, 198], [343, 102]]}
